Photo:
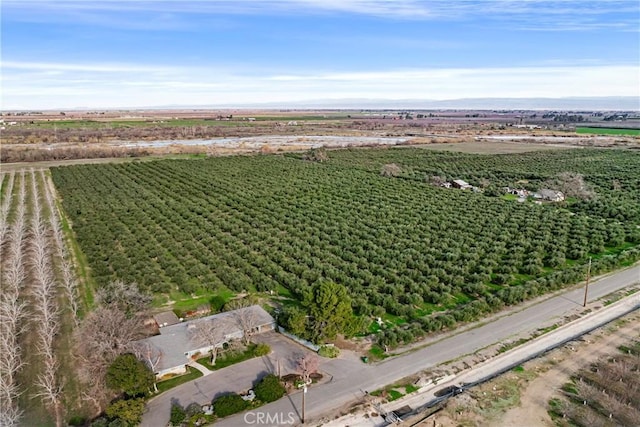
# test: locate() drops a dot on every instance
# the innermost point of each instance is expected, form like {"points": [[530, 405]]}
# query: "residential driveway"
{"points": [[236, 378]]}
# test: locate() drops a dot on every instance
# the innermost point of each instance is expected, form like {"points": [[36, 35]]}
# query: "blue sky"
{"points": [[113, 53]]}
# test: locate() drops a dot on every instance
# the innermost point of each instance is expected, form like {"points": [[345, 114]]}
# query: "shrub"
{"points": [[77, 421], [269, 389], [329, 351], [217, 302], [128, 412], [178, 414], [193, 409], [262, 349], [228, 405], [100, 422]]}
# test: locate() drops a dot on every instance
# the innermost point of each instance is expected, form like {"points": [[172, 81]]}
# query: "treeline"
{"points": [[9, 154]]}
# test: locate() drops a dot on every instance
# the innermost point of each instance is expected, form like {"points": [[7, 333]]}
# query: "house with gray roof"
{"points": [[165, 319], [177, 344]]}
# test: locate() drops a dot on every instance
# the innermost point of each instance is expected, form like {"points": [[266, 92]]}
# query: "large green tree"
{"points": [[295, 320], [330, 309], [130, 376]]}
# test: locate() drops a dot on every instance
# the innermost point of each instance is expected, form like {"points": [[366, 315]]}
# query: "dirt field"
{"points": [[519, 398]]}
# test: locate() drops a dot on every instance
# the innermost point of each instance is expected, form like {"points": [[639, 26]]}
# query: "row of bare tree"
{"points": [[12, 308], [68, 279], [5, 206], [45, 312], [608, 393]]}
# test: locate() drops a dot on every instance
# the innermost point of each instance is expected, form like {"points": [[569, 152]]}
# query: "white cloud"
{"points": [[528, 14], [59, 85]]}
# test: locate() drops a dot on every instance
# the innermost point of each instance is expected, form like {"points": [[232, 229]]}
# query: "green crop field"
{"points": [[607, 131], [425, 255]]}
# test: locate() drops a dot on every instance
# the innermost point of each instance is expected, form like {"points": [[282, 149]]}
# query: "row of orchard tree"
{"points": [[398, 245]]}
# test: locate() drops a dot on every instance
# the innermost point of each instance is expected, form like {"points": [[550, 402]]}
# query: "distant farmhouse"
{"points": [[549, 195], [179, 341], [463, 185]]}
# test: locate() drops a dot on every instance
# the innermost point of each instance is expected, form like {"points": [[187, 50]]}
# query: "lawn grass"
{"points": [[224, 361], [393, 319], [183, 302], [410, 388], [394, 395], [607, 131], [393, 392], [176, 381]]}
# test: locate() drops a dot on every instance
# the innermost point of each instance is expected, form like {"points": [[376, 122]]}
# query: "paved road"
{"points": [[534, 348], [351, 378]]}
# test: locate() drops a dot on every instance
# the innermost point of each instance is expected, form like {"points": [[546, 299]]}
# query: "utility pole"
{"points": [[304, 393], [586, 285]]}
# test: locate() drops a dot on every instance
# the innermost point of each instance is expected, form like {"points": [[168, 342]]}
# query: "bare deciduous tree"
{"points": [[437, 180], [150, 355], [244, 317], [209, 333], [572, 185], [103, 335], [12, 309], [307, 365], [316, 155], [69, 282], [125, 296], [390, 169], [45, 308]]}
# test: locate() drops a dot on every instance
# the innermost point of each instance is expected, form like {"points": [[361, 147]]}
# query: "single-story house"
{"points": [[520, 192], [463, 185], [176, 344]]}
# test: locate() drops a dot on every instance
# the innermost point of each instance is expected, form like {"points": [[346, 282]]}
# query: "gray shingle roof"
{"points": [[166, 318], [176, 340]]}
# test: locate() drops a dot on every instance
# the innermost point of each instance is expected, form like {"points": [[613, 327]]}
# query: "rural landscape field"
{"points": [[321, 213], [426, 256], [410, 254]]}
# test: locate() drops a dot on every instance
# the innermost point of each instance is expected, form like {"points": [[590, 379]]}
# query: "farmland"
{"points": [[38, 305], [608, 131], [404, 248]]}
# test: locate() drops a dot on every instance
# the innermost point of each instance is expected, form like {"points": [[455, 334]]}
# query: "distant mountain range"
{"points": [[613, 103]]}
